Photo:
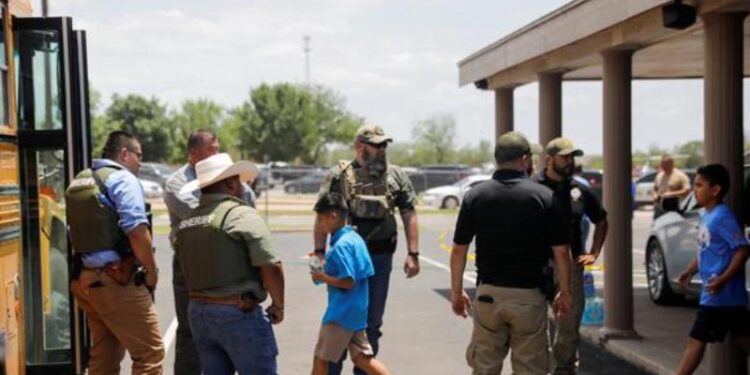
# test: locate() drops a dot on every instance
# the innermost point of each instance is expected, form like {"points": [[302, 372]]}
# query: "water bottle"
{"points": [[315, 265], [593, 312]]}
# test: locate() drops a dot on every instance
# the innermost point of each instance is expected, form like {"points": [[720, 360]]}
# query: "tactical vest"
{"points": [[93, 225], [210, 258], [369, 198]]}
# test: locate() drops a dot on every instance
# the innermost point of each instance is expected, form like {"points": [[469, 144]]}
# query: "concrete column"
{"points": [[618, 254], [550, 107], [722, 92], [503, 111]]}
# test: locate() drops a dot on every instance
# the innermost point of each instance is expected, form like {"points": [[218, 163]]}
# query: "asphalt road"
{"points": [[421, 334]]}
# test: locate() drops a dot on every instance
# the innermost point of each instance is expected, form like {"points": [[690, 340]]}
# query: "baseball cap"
{"points": [[372, 134], [512, 145], [331, 202], [562, 146]]}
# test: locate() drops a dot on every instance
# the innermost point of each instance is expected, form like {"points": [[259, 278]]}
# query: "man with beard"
{"points": [[373, 190], [576, 200]]}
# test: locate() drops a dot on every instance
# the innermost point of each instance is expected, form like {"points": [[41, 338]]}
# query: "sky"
{"points": [[394, 61]]}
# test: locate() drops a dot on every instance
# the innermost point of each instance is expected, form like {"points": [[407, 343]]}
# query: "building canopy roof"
{"points": [[569, 40]]}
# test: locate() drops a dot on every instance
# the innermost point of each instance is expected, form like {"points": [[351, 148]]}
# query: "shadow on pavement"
{"points": [[594, 360]]}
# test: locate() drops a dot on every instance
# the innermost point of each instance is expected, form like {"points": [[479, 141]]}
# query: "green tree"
{"points": [[146, 118], [476, 156], [691, 153], [291, 122], [434, 138], [191, 116]]}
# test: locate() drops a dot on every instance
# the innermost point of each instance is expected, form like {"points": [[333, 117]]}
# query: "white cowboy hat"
{"points": [[219, 167]]}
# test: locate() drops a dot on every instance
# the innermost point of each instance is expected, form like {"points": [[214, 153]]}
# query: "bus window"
{"points": [[39, 80]]}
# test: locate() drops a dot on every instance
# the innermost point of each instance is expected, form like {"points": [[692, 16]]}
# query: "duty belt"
{"points": [[241, 301]]}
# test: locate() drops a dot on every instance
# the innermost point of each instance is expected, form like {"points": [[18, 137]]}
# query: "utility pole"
{"points": [[45, 8], [306, 40]]}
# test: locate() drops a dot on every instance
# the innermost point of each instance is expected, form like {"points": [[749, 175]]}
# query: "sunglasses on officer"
{"points": [[377, 145]]}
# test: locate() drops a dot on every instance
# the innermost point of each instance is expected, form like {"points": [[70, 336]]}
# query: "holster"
{"points": [[548, 286], [121, 272]]}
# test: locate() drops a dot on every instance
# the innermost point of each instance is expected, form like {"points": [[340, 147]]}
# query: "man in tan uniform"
{"points": [[670, 182]]}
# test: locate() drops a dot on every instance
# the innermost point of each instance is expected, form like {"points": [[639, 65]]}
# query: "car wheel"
{"points": [[659, 287], [450, 203], [291, 190]]}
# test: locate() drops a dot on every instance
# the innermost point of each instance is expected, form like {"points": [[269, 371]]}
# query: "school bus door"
{"points": [[53, 144]]}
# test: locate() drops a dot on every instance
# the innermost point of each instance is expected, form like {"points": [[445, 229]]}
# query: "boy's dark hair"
{"points": [[716, 174], [329, 202], [116, 140]]}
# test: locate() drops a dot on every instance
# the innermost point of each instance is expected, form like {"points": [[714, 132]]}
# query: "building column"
{"points": [[618, 255], [550, 107], [723, 134], [503, 111]]}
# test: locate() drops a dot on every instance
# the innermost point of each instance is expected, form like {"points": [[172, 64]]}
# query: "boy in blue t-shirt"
{"points": [[722, 253], [346, 270]]}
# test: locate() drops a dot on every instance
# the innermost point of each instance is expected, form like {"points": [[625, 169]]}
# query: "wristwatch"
{"points": [[320, 251], [413, 254]]}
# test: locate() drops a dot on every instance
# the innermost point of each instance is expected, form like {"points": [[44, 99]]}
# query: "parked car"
{"points": [[309, 183], [262, 181], [430, 176], [155, 172], [451, 196], [152, 189], [594, 179], [644, 187], [672, 244]]}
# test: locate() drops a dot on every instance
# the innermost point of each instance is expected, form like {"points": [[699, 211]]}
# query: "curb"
{"points": [[592, 335]]}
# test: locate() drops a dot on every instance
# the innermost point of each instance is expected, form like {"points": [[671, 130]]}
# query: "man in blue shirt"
{"points": [[346, 270], [722, 253], [121, 315]]}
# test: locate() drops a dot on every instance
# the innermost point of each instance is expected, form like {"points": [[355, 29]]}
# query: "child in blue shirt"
{"points": [[346, 270], [722, 253]]}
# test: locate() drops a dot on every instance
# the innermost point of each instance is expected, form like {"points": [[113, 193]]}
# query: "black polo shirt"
{"points": [[515, 221], [576, 200]]}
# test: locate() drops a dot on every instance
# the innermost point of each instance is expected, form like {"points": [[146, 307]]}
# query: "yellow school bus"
{"points": [[44, 142]]}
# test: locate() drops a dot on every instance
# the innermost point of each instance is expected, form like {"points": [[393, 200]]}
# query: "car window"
{"points": [[690, 204], [651, 177]]}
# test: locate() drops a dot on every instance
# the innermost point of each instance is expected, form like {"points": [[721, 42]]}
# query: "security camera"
{"points": [[482, 84], [678, 15]]}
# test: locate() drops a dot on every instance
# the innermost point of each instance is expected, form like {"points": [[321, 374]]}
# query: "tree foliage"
{"points": [[291, 122], [434, 138]]}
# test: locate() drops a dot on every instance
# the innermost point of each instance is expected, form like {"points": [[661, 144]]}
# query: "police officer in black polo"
{"points": [[515, 222], [576, 200]]}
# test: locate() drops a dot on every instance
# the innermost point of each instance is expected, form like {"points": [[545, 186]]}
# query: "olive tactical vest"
{"points": [[210, 258], [93, 226], [369, 198]]}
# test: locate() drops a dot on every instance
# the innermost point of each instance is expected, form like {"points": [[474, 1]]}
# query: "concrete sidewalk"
{"points": [[664, 331]]}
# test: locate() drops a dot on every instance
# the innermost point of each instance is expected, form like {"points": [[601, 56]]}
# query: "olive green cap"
{"points": [[372, 134], [513, 145], [562, 146]]}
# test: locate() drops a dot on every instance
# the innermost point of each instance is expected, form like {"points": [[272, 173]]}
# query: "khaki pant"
{"points": [[567, 335], [516, 319], [120, 318]]}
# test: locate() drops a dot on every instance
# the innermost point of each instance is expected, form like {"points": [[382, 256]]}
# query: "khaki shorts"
{"points": [[333, 340]]}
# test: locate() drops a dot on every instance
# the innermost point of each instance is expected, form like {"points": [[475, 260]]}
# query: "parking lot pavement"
{"points": [[421, 334]]}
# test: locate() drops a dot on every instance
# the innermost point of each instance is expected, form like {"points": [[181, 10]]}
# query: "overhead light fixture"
{"points": [[678, 15]]}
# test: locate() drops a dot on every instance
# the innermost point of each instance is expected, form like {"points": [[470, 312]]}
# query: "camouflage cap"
{"points": [[562, 146], [372, 134], [512, 145], [331, 202]]}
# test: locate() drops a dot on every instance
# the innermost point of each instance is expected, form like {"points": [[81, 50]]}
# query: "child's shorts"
{"points": [[333, 340], [712, 323]]}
